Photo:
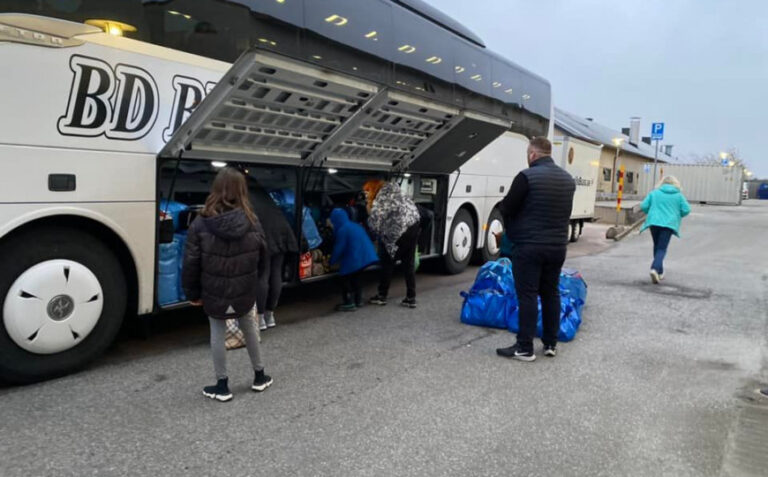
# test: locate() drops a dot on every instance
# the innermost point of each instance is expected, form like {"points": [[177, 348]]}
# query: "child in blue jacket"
{"points": [[354, 252]]}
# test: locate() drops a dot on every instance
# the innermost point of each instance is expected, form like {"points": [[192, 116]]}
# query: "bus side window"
{"points": [[339, 30], [422, 55]]}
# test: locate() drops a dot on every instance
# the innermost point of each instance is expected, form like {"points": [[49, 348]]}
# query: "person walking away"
{"points": [[665, 207], [395, 221], [224, 255], [536, 213], [354, 252], [281, 242]]}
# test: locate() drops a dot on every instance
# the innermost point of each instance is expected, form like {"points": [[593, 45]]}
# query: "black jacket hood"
{"points": [[230, 225]]}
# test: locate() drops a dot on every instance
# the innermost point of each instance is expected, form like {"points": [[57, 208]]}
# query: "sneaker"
{"points": [[269, 318], [550, 351], [661, 277], [261, 381], [346, 307], [516, 352], [220, 392], [262, 323], [378, 300], [655, 277], [408, 303]]}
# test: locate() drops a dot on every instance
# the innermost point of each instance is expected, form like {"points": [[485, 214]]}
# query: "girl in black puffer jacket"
{"points": [[224, 257]]}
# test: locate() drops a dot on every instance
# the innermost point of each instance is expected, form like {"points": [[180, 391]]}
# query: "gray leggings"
{"points": [[219, 349]]}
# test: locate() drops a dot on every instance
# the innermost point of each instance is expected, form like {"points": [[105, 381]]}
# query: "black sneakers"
{"points": [[550, 351], [220, 392], [261, 381], [378, 300], [517, 352], [408, 303]]}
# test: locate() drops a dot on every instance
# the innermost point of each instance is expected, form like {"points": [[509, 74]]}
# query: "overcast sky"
{"points": [[700, 66]]}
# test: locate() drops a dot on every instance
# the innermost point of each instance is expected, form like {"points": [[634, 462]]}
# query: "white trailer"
{"points": [[582, 160], [704, 184]]}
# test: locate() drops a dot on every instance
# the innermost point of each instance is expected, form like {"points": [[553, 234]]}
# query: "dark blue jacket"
{"points": [[353, 248]]}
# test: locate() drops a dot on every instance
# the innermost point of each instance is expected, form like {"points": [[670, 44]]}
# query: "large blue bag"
{"points": [[285, 199], [168, 273], [495, 276], [491, 299], [493, 294], [181, 239], [573, 286], [570, 319], [486, 308]]}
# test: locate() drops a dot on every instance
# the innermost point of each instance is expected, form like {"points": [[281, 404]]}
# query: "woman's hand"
{"points": [[196, 302]]}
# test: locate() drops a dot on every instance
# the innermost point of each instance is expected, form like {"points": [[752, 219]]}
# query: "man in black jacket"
{"points": [[536, 213]]}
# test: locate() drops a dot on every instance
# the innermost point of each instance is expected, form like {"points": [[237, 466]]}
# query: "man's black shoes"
{"points": [[517, 352]]}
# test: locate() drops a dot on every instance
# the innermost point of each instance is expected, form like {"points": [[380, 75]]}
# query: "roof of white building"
{"points": [[590, 130]]}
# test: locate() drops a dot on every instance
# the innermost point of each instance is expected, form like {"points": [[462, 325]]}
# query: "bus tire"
{"points": [[491, 250], [461, 243], [574, 232], [62, 302]]}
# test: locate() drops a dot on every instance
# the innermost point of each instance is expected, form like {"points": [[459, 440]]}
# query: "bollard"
{"points": [[619, 194]]}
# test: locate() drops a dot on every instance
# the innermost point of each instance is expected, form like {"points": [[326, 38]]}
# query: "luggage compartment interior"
{"points": [[184, 185]]}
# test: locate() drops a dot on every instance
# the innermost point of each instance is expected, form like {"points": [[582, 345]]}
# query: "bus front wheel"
{"points": [[62, 301]]}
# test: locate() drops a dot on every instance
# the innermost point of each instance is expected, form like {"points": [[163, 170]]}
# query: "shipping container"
{"points": [[702, 184]]}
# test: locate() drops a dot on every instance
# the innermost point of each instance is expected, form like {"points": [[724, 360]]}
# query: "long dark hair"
{"points": [[228, 192]]}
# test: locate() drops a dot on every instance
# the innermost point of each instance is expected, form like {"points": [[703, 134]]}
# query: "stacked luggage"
{"points": [[171, 252]]}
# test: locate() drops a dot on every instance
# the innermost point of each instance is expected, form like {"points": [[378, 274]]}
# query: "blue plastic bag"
{"points": [[486, 308], [181, 239], [572, 285], [168, 273], [493, 294], [495, 276], [570, 321], [286, 200], [491, 299], [309, 229]]}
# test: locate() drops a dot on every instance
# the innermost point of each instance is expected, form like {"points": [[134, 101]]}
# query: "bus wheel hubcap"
{"points": [[53, 306], [462, 242], [496, 227]]}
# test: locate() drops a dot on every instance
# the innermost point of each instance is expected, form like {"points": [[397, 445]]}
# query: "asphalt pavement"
{"points": [[654, 383]]}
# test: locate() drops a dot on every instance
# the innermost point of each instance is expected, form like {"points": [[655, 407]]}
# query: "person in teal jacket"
{"points": [[354, 252], [665, 208]]}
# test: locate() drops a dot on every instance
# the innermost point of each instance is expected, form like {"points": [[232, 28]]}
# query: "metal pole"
{"points": [[655, 162], [615, 171]]}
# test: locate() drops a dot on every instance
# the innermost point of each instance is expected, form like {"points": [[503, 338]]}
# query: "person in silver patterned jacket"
{"points": [[395, 221]]}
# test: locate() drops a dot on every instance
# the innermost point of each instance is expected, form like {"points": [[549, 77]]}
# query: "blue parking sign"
{"points": [[657, 131]]}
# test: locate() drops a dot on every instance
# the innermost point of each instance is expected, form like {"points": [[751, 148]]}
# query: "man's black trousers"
{"points": [[536, 269]]}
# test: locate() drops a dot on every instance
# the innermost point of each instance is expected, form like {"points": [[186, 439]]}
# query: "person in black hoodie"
{"points": [[224, 257], [281, 241]]}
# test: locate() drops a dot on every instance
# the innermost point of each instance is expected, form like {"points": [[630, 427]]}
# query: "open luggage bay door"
{"points": [[274, 109]]}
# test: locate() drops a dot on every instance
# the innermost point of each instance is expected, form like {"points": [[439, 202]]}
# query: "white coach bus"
{"points": [[110, 107]]}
